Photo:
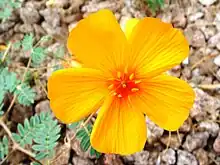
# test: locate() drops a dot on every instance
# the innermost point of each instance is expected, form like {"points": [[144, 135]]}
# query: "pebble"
{"points": [[201, 156], [81, 161], [210, 126], [186, 158], [207, 2], [169, 156], [216, 145], [195, 141], [198, 39], [195, 16], [175, 142], [43, 106], [29, 15], [217, 60], [214, 40], [154, 132]]}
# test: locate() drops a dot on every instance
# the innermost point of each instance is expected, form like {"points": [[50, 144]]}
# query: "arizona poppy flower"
{"points": [[122, 77]]}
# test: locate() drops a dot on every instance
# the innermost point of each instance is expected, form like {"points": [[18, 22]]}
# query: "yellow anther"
{"points": [[118, 74], [134, 89], [110, 87], [131, 77], [119, 95], [137, 81], [124, 85], [114, 94]]}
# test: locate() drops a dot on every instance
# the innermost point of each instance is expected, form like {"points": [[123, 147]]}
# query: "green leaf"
{"points": [[21, 130], [27, 42], [4, 147], [60, 52], [38, 55], [73, 126], [25, 94], [41, 155], [85, 143]]}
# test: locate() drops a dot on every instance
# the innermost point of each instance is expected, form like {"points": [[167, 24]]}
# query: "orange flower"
{"points": [[122, 76]]}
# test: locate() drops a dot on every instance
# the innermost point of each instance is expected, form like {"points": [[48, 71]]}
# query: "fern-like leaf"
{"points": [[38, 55], [27, 42], [83, 135], [25, 94], [3, 147]]}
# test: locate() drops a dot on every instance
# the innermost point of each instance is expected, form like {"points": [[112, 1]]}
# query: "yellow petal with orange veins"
{"points": [[98, 41], [129, 26], [76, 93], [166, 101], [156, 47], [119, 128]]}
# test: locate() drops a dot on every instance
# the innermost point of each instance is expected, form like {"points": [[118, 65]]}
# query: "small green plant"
{"points": [[83, 135], [42, 132], [3, 147], [7, 6], [154, 5]]}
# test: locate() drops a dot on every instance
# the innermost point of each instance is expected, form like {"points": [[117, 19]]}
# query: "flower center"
{"points": [[123, 85]]}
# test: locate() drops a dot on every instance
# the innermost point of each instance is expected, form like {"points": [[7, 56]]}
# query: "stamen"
{"points": [[131, 77], [124, 85], [114, 94], [134, 89], [137, 81], [119, 74], [110, 87], [119, 95]]}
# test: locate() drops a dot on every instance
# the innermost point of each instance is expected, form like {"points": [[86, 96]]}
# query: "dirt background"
{"points": [[199, 140]]}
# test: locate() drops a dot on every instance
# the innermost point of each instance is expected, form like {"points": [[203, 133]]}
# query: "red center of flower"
{"points": [[123, 85]]}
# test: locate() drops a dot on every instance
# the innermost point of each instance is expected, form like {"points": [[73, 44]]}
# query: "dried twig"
{"points": [[16, 146]]}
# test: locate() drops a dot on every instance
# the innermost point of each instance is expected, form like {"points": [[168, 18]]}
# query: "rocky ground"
{"points": [[198, 142]]}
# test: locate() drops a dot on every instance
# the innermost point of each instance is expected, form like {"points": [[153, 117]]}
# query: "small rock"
{"points": [[188, 33], [195, 16], [110, 159], [214, 40], [201, 156], [43, 106], [207, 2], [217, 61], [179, 21], [210, 126], [166, 17], [218, 46], [6, 26], [186, 158], [123, 21], [60, 3], [51, 16], [186, 61], [205, 107], [216, 145], [62, 154], [81, 161], [198, 39], [141, 158], [169, 156], [209, 32], [26, 28], [195, 141], [187, 125], [217, 21], [29, 15], [153, 132], [20, 113], [175, 142]]}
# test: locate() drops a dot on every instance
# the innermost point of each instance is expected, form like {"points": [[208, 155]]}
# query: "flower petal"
{"points": [[119, 128], [129, 26], [166, 101], [157, 47], [75, 93], [98, 41]]}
